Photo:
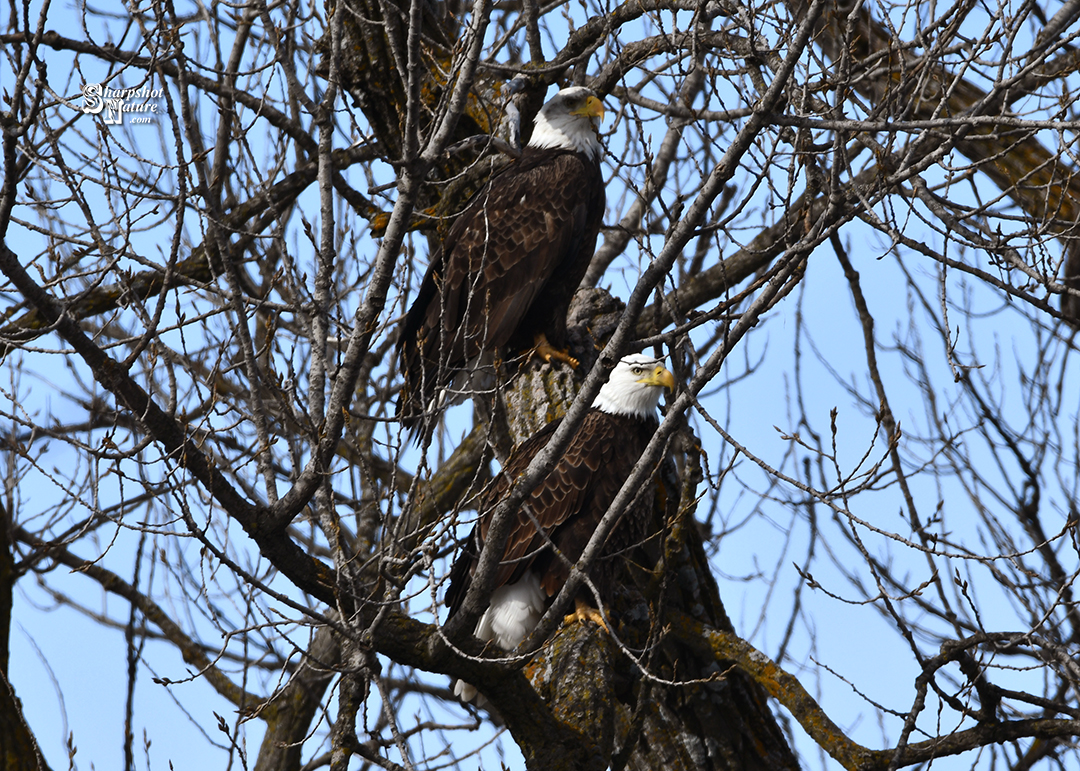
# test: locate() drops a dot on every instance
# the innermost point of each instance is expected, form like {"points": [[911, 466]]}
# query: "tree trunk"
{"points": [[289, 714], [18, 750]]}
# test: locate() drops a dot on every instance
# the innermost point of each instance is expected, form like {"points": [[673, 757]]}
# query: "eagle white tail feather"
{"points": [[515, 610], [466, 692]]}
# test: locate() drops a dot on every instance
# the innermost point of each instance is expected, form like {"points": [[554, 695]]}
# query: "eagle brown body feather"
{"points": [[568, 505], [505, 272]]}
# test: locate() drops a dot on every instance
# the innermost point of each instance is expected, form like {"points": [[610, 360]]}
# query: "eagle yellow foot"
{"points": [[584, 612], [544, 349]]}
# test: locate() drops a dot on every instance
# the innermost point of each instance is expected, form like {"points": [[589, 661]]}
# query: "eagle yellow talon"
{"points": [[544, 349], [584, 612]]}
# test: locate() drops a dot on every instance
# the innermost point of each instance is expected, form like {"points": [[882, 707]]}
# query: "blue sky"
{"points": [[808, 350]]}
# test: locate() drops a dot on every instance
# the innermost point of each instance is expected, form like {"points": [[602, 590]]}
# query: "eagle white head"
{"points": [[635, 387], [566, 122]]}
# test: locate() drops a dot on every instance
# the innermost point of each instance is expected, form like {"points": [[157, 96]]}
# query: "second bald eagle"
{"points": [[504, 276], [555, 522]]}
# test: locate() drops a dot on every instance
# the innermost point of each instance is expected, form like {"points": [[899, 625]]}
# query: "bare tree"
{"points": [[852, 227]]}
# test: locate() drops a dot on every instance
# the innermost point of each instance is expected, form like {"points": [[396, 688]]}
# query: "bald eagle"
{"points": [[568, 504], [503, 278]]}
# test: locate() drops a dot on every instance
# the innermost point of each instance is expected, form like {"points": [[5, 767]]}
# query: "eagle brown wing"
{"points": [[502, 273], [568, 503], [559, 496]]}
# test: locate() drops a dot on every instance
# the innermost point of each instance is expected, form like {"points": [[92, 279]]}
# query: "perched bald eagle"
{"points": [[568, 504], [504, 276]]}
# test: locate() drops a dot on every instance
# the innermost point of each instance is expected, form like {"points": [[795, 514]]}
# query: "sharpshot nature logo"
{"points": [[140, 104]]}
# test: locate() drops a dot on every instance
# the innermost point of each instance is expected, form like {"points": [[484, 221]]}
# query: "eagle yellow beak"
{"points": [[593, 108], [660, 376]]}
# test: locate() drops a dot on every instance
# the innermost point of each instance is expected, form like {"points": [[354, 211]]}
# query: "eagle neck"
{"points": [[640, 405], [570, 133]]}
